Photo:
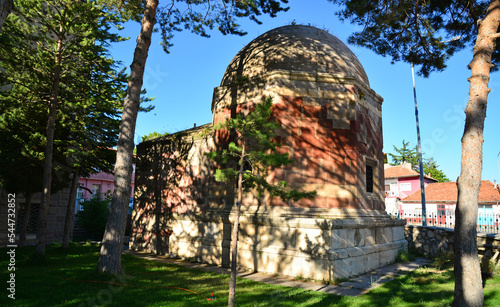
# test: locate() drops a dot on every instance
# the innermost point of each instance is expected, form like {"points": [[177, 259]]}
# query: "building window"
{"points": [[369, 178], [372, 181], [96, 190], [79, 193], [405, 186]]}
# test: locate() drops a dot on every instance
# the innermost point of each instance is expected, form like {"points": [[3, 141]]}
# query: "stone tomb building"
{"points": [[331, 125]]}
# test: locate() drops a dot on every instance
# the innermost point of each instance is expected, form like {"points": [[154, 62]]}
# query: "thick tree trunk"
{"points": [[236, 228], [5, 9], [468, 282], [41, 233], [110, 260], [26, 219], [70, 210]]}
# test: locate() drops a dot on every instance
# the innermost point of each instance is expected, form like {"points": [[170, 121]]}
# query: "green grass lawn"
{"points": [[69, 278]]}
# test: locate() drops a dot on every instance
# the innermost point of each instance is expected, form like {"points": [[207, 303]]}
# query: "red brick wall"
{"points": [[322, 154]]}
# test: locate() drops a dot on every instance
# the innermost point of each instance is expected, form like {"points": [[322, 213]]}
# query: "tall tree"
{"points": [[199, 17], [421, 32], [112, 242], [89, 128], [405, 154], [432, 168], [50, 55], [256, 153]]}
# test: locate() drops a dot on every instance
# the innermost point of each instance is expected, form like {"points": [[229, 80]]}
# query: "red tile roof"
{"points": [[447, 192], [402, 171]]}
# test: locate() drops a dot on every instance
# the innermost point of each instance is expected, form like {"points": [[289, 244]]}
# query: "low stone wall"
{"points": [[429, 241], [432, 241], [486, 240]]}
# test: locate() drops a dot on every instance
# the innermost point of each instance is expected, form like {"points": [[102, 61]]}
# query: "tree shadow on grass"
{"points": [[42, 286], [419, 288]]}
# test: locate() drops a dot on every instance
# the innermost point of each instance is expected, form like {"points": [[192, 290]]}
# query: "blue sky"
{"points": [[182, 83]]}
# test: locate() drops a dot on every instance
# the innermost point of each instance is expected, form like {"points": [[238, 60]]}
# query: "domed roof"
{"points": [[295, 48]]}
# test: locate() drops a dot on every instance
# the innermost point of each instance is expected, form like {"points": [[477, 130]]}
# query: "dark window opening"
{"points": [[33, 219], [369, 179]]}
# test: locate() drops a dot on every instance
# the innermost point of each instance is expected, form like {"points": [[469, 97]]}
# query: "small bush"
{"points": [[444, 260], [93, 216], [405, 256]]}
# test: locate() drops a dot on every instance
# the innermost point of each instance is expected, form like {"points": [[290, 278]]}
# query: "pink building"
{"points": [[97, 185], [401, 181]]}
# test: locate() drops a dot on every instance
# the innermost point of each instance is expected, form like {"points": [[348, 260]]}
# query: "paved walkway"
{"points": [[353, 287]]}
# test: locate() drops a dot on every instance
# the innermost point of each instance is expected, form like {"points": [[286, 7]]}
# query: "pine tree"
{"points": [[405, 154], [198, 17], [60, 78], [432, 168], [256, 153]]}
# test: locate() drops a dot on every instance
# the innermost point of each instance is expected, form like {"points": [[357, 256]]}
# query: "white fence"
{"points": [[486, 222]]}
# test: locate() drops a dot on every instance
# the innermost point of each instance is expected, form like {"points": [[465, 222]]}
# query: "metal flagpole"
{"points": [[422, 185]]}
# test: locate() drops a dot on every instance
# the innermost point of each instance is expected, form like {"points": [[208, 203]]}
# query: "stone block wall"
{"points": [[315, 243], [429, 241], [55, 218], [173, 176]]}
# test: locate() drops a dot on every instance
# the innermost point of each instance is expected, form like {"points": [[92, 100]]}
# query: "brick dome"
{"points": [[295, 48]]}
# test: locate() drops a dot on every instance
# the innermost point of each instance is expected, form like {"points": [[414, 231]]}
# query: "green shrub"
{"points": [[402, 256], [93, 216], [444, 260]]}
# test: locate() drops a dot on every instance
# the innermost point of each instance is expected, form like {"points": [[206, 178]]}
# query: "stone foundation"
{"points": [[313, 243]]}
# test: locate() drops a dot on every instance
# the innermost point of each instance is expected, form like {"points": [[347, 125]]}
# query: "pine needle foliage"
{"points": [[256, 132]]}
